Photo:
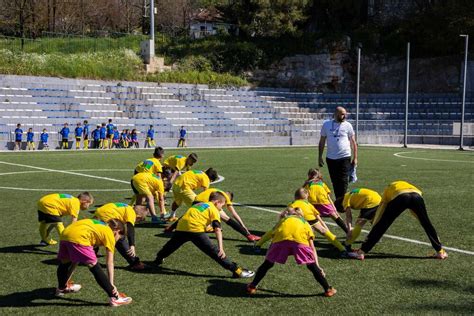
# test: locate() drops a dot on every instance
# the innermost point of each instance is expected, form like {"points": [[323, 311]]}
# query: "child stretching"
{"points": [[51, 209], [77, 247], [319, 196], [311, 215], [292, 237]]}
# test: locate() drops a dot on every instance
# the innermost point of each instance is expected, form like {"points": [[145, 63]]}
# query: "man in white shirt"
{"points": [[340, 138]]}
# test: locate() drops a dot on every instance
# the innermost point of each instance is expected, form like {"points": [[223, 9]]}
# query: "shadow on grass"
{"points": [[150, 269], [249, 249], [378, 255], [150, 225], [28, 299], [225, 288], [261, 205], [445, 303], [28, 249]]}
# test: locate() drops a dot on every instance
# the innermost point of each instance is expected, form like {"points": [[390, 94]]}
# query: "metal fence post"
{"points": [[405, 140], [461, 138]]}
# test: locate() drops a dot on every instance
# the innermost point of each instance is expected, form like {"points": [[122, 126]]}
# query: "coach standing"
{"points": [[340, 138]]}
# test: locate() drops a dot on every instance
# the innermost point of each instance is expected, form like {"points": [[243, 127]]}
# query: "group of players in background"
{"points": [[113, 224], [104, 136]]}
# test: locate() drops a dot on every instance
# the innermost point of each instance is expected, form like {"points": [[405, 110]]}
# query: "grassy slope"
{"points": [[192, 283]]}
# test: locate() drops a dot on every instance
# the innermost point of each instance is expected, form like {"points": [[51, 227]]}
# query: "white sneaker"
{"points": [[70, 288], [121, 300]]}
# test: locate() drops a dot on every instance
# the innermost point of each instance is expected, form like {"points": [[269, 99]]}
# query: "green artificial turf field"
{"points": [[395, 278]]}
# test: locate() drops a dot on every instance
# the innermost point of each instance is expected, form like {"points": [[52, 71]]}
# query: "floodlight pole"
{"points": [[405, 139], [357, 94], [461, 139], [152, 20]]}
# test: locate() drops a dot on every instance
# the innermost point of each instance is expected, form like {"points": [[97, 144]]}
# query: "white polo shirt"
{"points": [[338, 138]]}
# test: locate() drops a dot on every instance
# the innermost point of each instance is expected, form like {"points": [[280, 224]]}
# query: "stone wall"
{"points": [[335, 72]]}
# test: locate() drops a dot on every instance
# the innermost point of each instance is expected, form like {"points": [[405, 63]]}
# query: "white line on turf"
{"points": [[399, 155], [366, 231], [64, 190]]}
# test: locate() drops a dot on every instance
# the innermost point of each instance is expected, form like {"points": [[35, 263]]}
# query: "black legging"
{"points": [[394, 208], [267, 265], [202, 241]]}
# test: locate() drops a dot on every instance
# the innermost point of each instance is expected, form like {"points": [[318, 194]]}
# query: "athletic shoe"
{"points": [[166, 215], [330, 292], [157, 262], [172, 219], [356, 254], [122, 299], [137, 266], [251, 289], [50, 242], [251, 237], [242, 273], [442, 254], [169, 229], [157, 220], [70, 288]]}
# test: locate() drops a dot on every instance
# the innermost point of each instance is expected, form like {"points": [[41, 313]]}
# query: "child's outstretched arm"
{"points": [[109, 257], [220, 244]]}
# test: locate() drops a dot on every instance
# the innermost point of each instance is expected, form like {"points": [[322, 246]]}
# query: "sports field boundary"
{"points": [[414, 241]]}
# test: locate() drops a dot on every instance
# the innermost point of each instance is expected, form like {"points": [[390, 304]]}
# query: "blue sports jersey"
{"points": [[116, 135], [85, 131], [64, 132], [78, 131], [182, 133], [29, 136], [103, 132], [96, 134], [134, 137], [150, 133], [110, 129], [44, 137], [18, 134]]}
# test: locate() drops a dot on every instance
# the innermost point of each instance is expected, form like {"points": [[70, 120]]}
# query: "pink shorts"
{"points": [[69, 251], [325, 210], [280, 251]]}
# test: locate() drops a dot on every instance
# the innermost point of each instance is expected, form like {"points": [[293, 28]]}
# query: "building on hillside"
{"points": [[209, 22]]}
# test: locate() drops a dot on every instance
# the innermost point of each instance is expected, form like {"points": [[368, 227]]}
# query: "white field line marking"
{"points": [[44, 171], [64, 190], [366, 231], [399, 155], [64, 171]]}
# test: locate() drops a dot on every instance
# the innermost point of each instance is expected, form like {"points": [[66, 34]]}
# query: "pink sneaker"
{"points": [[356, 254], [442, 254], [121, 300]]}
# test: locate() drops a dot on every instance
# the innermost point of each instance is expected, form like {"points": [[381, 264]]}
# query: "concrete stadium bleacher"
{"points": [[214, 117]]}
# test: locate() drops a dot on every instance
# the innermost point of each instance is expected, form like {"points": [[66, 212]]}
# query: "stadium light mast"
{"points": [[358, 92], [152, 20], [461, 132], [405, 138]]}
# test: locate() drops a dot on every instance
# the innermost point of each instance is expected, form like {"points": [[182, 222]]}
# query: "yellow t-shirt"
{"points": [[198, 217], [176, 162], [148, 183], [91, 233], [293, 228], [151, 165], [58, 204], [204, 196], [361, 198], [309, 211], [120, 211], [318, 192], [393, 190], [193, 179]]}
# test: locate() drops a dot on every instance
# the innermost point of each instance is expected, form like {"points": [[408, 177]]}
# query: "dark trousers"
{"points": [[339, 171], [122, 247], [267, 265], [394, 208], [200, 240]]}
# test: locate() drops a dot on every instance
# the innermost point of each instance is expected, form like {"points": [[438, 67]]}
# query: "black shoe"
{"points": [[157, 263]]}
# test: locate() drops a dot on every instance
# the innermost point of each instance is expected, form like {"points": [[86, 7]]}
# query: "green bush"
{"points": [[194, 63]]}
